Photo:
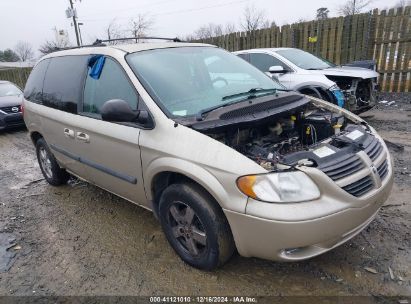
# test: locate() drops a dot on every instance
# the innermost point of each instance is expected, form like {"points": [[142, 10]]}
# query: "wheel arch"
{"points": [[35, 136], [324, 93], [182, 171]]}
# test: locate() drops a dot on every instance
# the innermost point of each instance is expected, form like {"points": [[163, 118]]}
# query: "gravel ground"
{"points": [[80, 240]]}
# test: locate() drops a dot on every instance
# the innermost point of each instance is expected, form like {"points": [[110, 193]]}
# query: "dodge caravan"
{"points": [[222, 155]]}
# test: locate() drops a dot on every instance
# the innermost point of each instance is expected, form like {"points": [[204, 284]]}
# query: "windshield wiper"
{"points": [[284, 90], [250, 93]]}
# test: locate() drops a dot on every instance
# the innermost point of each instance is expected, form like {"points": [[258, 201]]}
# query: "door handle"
{"points": [[68, 133], [83, 137]]}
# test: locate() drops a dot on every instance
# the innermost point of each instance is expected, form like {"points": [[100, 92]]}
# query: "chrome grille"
{"points": [[373, 148], [352, 163], [383, 169], [9, 110], [340, 168], [360, 186]]}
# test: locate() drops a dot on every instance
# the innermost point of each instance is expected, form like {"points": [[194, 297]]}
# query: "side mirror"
{"points": [[118, 110], [276, 69]]}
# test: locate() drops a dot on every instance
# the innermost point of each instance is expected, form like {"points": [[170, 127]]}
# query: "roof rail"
{"points": [[100, 42]]}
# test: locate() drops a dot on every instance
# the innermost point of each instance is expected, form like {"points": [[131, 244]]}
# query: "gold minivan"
{"points": [[225, 157]]}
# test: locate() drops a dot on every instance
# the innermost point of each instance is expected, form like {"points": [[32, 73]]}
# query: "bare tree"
{"points": [[24, 51], [403, 3], [50, 46], [352, 7], [140, 26], [9, 55], [208, 31], [322, 13], [253, 19], [114, 31], [230, 28], [266, 24], [273, 24]]}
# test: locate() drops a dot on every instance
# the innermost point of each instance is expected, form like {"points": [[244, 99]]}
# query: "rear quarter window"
{"points": [[63, 84], [34, 86]]}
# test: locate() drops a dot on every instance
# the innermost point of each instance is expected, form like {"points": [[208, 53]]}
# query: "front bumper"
{"points": [[290, 232], [11, 120], [355, 103]]}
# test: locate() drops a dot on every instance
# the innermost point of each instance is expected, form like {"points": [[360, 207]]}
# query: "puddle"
{"points": [[7, 256]]}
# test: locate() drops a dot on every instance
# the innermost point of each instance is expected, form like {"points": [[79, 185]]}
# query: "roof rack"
{"points": [[100, 42]]}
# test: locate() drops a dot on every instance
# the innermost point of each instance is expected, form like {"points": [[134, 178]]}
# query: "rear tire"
{"points": [[52, 172], [195, 226]]}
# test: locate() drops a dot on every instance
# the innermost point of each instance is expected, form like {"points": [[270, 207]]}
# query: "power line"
{"points": [[178, 11], [129, 8], [201, 8]]}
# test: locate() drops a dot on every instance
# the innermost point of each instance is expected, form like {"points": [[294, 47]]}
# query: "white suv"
{"points": [[350, 87]]}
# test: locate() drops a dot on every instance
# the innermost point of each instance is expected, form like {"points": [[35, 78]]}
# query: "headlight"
{"points": [[282, 187]]}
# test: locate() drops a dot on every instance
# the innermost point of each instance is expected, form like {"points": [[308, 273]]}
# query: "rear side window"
{"points": [[34, 85], [246, 57], [112, 83], [264, 61], [63, 83]]}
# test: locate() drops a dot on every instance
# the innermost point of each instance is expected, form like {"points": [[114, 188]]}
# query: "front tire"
{"points": [[195, 226], [52, 172]]}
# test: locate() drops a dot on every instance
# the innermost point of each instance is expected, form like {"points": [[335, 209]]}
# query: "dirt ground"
{"points": [[80, 240]]}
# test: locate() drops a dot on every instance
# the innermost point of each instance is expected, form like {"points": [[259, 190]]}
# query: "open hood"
{"points": [[347, 71]]}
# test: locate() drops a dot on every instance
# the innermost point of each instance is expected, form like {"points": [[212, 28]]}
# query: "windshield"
{"points": [[305, 60], [187, 80], [8, 89]]}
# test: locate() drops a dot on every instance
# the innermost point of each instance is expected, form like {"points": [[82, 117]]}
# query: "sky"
{"points": [[36, 21]]}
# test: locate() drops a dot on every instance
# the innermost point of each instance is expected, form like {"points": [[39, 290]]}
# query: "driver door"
{"points": [[109, 150]]}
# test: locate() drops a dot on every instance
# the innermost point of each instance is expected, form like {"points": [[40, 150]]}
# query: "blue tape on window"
{"points": [[340, 98], [96, 63]]}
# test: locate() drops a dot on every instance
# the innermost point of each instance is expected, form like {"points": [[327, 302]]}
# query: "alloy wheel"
{"points": [[45, 162], [187, 228]]}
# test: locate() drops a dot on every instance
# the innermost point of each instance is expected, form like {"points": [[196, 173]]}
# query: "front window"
{"points": [[112, 83], [263, 62], [185, 81], [8, 89], [305, 60]]}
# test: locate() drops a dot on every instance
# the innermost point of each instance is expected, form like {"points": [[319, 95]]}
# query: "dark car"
{"points": [[11, 98]]}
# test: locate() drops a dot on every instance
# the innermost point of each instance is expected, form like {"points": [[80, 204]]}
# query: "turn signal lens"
{"points": [[245, 184]]}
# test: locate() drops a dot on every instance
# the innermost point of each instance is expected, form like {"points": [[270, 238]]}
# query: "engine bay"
{"points": [[307, 135]]}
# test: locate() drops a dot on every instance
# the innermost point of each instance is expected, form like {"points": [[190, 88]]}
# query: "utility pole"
{"points": [[75, 23], [79, 32]]}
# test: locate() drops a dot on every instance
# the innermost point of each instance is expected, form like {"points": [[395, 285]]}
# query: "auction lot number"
{"points": [[200, 299]]}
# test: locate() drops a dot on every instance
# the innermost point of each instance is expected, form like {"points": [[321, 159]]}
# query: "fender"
{"points": [[200, 175]]}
